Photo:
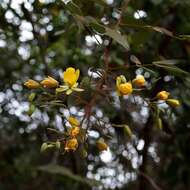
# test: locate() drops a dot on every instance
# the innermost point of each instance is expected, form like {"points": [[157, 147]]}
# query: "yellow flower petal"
{"points": [[74, 131], [71, 144], [70, 76], [125, 88]]}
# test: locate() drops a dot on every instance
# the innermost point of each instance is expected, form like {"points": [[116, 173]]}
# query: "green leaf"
{"points": [[115, 35], [73, 8], [161, 30], [171, 68], [100, 2], [185, 37], [62, 89], [98, 27], [56, 169], [127, 129]]}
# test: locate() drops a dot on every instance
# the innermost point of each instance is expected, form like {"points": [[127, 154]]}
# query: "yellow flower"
{"points": [[139, 81], [74, 131], [32, 84], [162, 95], [73, 121], [125, 88], [71, 144], [70, 76], [101, 145], [173, 102], [49, 82]]}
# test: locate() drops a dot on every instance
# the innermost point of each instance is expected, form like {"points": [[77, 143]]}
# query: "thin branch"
{"points": [[150, 180]]}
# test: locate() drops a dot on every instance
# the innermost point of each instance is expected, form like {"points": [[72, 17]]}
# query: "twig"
{"points": [[150, 180]]}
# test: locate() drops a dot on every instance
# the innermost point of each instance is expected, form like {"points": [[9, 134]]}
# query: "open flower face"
{"points": [[70, 76], [163, 95], [32, 84], [71, 145], [49, 82], [125, 88]]}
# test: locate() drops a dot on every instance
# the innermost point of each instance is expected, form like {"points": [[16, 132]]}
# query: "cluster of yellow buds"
{"points": [[72, 144], [75, 129], [163, 95], [125, 88], [70, 77]]}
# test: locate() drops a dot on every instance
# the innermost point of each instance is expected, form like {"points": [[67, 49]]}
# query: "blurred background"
{"points": [[40, 38]]}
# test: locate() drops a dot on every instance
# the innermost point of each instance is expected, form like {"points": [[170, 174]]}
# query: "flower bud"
{"points": [[44, 147], [73, 121], [162, 95], [101, 145], [139, 81], [173, 102], [32, 84], [49, 82]]}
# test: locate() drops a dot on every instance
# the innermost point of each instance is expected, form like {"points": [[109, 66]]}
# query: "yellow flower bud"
{"points": [[125, 88], [74, 131], [139, 81], [70, 76], [49, 82], [173, 102], [101, 145], [71, 144], [73, 121], [162, 95], [32, 84]]}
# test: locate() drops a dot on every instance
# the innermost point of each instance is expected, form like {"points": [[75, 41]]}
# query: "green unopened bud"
{"points": [[44, 147], [31, 109], [50, 145], [173, 102], [159, 123], [31, 97], [128, 130], [58, 145], [83, 153]]}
